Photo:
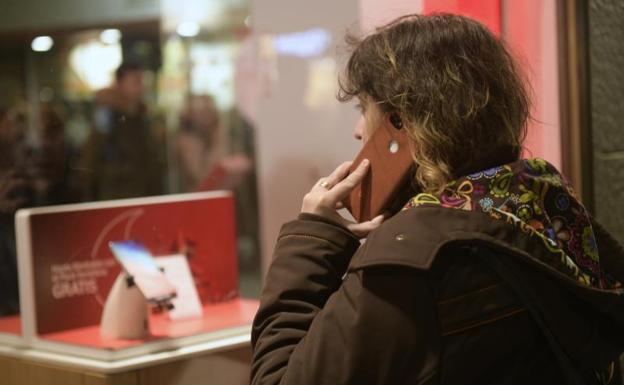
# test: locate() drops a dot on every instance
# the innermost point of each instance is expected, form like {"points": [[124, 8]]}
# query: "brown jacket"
{"points": [[418, 303]]}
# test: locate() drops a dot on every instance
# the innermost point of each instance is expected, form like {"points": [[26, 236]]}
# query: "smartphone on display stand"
{"points": [[388, 184], [139, 264]]}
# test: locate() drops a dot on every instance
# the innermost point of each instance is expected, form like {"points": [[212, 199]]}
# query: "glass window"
{"points": [[121, 99]]}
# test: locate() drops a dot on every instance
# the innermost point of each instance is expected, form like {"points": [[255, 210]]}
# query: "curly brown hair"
{"points": [[454, 85]]}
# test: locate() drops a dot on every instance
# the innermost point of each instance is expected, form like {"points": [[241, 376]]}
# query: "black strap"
{"points": [[569, 372]]}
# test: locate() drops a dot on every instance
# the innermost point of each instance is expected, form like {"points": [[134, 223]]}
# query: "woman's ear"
{"points": [[395, 119]]}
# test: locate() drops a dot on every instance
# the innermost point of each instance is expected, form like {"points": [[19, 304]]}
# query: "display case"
{"points": [[66, 271]]}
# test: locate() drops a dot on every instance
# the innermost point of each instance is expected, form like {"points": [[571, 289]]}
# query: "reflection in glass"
{"points": [[142, 107]]}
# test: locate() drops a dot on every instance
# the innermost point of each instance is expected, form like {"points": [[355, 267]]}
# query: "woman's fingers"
{"points": [[318, 201], [336, 176], [340, 172], [342, 189], [328, 193], [363, 229]]}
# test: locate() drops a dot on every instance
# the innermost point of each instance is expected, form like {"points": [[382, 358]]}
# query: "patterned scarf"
{"points": [[533, 196]]}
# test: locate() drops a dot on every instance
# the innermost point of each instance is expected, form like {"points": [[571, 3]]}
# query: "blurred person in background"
{"points": [[124, 156], [55, 177], [34, 174], [12, 156], [16, 191], [204, 165]]}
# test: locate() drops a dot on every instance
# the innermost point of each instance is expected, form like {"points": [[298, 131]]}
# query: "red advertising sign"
{"points": [[73, 268], [487, 12]]}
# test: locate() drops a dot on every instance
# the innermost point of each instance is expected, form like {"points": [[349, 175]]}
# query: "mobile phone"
{"points": [[387, 185], [139, 263]]}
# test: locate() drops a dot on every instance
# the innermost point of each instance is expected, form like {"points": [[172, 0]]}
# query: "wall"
{"points": [[302, 132], [297, 143], [606, 34], [530, 29], [375, 13]]}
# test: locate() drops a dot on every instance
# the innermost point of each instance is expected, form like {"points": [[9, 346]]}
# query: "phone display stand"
{"points": [[125, 314]]}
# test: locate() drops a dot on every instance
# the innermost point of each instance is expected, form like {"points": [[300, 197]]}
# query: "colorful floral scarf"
{"points": [[532, 195]]}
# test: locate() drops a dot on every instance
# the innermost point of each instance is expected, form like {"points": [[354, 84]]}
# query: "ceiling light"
{"points": [[110, 36], [42, 44], [95, 63], [188, 29]]}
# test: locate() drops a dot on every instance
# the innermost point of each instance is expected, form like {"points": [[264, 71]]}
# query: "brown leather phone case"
{"points": [[388, 177]]}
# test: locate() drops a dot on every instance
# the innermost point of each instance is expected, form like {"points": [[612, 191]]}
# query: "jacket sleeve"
{"points": [[313, 327]]}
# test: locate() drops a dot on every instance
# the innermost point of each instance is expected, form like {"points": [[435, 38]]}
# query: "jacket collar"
{"points": [[535, 198], [413, 238]]}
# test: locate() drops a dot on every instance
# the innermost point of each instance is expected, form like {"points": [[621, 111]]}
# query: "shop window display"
{"points": [[109, 103]]}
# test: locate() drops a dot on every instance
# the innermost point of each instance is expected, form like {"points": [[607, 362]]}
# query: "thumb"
{"points": [[363, 229]]}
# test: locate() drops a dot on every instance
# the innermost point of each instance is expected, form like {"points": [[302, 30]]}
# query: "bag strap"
{"points": [[569, 372]]}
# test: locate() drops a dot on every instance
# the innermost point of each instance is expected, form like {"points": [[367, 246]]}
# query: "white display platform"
{"points": [[215, 342], [11, 339]]}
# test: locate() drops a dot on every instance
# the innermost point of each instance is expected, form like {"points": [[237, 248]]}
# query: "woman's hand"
{"points": [[327, 194]]}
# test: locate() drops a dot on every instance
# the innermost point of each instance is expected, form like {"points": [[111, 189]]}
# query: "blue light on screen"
{"points": [[135, 252]]}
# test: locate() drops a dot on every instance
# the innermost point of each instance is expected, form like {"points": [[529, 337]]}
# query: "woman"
{"points": [[493, 274], [203, 165]]}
